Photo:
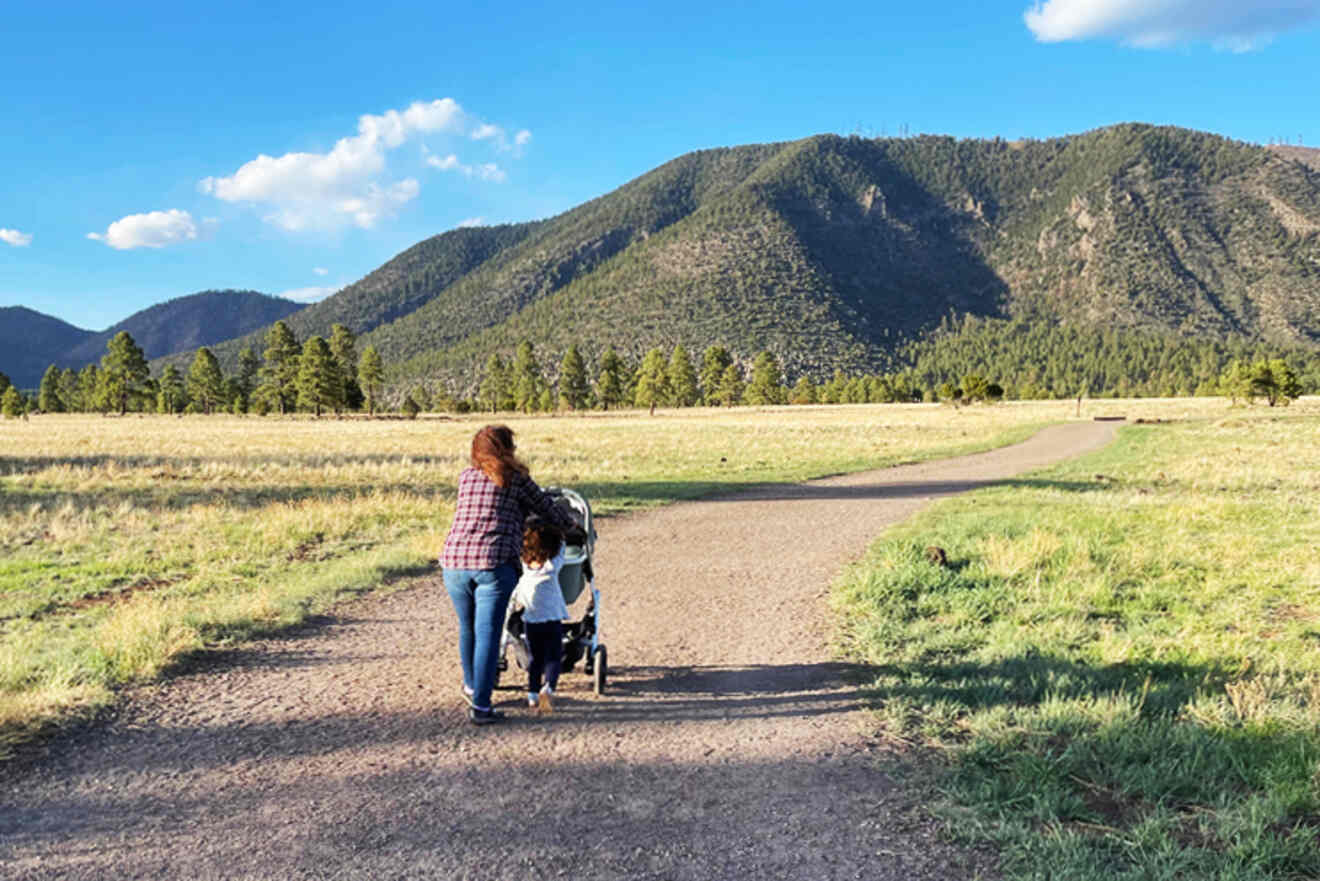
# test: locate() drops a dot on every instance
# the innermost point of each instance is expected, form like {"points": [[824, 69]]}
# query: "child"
{"points": [[543, 608]]}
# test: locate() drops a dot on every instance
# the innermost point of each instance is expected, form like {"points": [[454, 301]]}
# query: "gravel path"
{"points": [[729, 746]]}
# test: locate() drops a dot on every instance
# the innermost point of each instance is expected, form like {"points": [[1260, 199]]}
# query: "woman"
{"points": [[480, 557]]}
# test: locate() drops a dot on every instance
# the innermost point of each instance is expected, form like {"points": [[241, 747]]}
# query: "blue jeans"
{"points": [[480, 597]]}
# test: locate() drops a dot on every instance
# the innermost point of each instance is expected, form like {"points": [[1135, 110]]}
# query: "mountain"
{"points": [[182, 324], [834, 252], [27, 341]]}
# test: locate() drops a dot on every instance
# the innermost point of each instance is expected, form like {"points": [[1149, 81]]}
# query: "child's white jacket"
{"points": [[538, 591]]}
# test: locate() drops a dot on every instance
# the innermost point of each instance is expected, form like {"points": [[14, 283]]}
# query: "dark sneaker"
{"points": [[484, 717]]}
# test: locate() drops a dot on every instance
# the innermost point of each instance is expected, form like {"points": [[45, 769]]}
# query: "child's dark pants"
{"points": [[546, 640]]}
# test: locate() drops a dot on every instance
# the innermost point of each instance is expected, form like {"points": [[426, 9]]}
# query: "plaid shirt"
{"points": [[488, 520]]}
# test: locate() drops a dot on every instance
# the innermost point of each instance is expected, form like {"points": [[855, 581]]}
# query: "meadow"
{"points": [[128, 543], [1119, 669]]}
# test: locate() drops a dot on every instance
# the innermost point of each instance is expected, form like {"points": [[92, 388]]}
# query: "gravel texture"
{"points": [[728, 744]]}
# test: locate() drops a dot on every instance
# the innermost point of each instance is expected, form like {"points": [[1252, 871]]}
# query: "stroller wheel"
{"points": [[600, 670]]}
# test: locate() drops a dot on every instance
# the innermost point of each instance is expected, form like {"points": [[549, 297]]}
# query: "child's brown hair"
{"points": [[541, 541]]}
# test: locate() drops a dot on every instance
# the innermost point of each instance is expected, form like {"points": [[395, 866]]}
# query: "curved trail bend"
{"points": [[729, 745]]}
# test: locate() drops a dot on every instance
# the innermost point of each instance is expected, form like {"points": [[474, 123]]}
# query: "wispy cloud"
{"points": [[472, 221], [320, 270], [348, 184], [307, 295], [155, 229], [484, 171], [1235, 25], [15, 238]]}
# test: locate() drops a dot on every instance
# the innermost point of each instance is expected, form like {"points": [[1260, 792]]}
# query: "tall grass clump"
{"points": [[1121, 658]]}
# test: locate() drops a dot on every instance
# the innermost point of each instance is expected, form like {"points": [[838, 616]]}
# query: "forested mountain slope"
{"points": [[833, 252], [27, 341]]}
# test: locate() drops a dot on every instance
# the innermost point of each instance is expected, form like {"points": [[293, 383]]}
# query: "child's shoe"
{"points": [[532, 700], [547, 699]]}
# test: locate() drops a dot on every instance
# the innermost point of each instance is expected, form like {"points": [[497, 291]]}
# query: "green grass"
{"points": [[125, 544], [1122, 661]]}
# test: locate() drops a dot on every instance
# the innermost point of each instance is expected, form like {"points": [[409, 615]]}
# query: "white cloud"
{"points": [[320, 270], [486, 171], [156, 229], [307, 295], [15, 238], [522, 139], [1236, 25], [472, 221], [346, 184]]}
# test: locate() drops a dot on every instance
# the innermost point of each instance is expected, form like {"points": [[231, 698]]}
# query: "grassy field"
{"points": [[1122, 665], [126, 543]]}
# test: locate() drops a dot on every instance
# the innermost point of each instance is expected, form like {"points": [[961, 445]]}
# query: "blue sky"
{"points": [[153, 150]]}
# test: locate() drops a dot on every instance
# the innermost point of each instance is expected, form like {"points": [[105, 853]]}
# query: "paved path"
{"points": [[729, 746]]}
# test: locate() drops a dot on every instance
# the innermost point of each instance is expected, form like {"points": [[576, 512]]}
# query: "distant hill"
{"points": [[27, 339], [182, 324], [834, 252]]}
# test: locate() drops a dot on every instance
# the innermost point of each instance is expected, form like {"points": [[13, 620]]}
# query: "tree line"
{"points": [[316, 376], [327, 376]]}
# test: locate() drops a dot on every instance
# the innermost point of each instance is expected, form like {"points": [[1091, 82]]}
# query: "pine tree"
{"points": [[714, 361], [494, 385], [4, 383], [171, 397], [682, 379], [573, 387], [124, 372], [68, 389], [803, 392], [11, 403], [610, 386], [652, 381], [248, 368], [371, 376], [765, 387], [206, 384], [342, 346], [527, 382], [729, 390], [319, 381], [48, 395], [280, 375]]}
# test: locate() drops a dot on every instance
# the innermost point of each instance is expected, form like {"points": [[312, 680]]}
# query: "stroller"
{"points": [[582, 639]]}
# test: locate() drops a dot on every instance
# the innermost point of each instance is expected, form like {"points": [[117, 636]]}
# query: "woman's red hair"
{"points": [[492, 454]]}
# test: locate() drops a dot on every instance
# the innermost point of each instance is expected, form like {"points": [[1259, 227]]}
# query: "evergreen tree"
{"points": [[573, 386], [68, 390], [714, 361], [682, 379], [320, 384], [610, 384], [527, 382], [729, 390], [206, 384], [124, 372], [11, 403], [494, 390], [171, 398], [765, 387], [4, 383], [803, 392], [89, 389], [371, 376], [246, 381], [652, 381], [279, 377], [343, 347], [48, 395], [546, 403]]}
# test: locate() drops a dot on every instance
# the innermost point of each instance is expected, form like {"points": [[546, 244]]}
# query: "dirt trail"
{"points": [[729, 745]]}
